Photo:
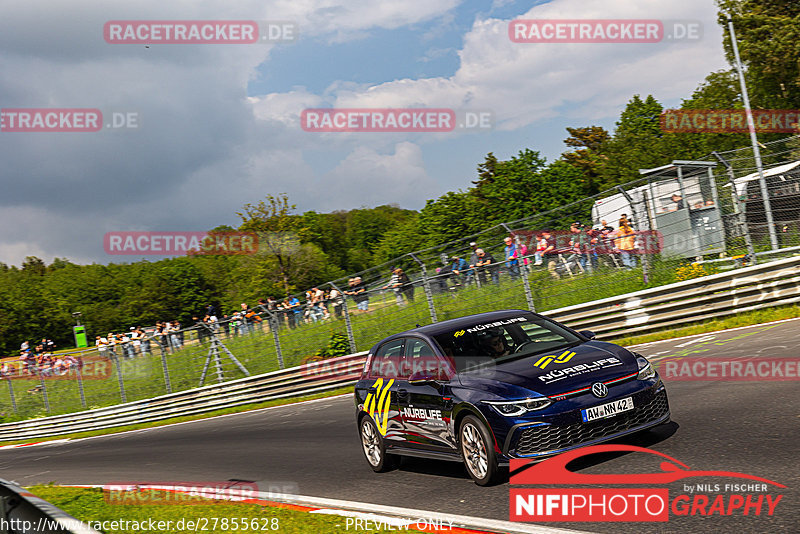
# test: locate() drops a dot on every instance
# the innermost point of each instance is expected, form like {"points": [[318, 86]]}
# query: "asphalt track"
{"points": [[313, 448]]}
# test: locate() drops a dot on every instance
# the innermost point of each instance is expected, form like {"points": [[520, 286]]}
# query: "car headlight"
{"points": [[514, 408], [646, 371]]}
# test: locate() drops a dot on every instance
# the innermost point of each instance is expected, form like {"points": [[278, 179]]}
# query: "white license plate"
{"points": [[607, 410]]}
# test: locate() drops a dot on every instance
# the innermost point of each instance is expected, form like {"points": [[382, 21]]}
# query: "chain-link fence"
{"points": [[680, 221]]}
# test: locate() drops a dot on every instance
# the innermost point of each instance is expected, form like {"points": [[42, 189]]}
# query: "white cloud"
{"points": [[205, 148]]}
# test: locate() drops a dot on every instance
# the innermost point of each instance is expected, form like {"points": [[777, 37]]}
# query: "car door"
{"points": [[425, 408], [380, 395]]}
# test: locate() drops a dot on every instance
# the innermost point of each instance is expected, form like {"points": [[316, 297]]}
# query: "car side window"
{"points": [[536, 332], [419, 356], [386, 361]]}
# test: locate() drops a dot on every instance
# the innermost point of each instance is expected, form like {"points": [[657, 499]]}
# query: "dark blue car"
{"points": [[494, 386]]}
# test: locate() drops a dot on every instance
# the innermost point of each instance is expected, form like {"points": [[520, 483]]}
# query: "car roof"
{"points": [[470, 320]]}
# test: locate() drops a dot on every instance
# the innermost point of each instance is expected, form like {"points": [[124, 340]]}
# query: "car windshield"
{"points": [[504, 339]]}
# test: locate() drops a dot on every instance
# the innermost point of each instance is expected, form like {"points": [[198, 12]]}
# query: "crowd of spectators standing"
{"points": [[580, 249]]}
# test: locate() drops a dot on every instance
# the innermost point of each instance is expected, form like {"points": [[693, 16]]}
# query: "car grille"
{"points": [[543, 438]]}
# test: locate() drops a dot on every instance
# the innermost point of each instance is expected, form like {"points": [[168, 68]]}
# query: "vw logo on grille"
{"points": [[599, 390]]}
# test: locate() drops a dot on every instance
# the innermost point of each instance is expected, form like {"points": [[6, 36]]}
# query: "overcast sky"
{"points": [[219, 124]]}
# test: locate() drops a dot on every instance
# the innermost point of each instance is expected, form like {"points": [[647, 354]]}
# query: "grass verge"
{"points": [[90, 506]]}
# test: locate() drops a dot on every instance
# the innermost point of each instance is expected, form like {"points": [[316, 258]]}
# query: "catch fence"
{"points": [[687, 220]]}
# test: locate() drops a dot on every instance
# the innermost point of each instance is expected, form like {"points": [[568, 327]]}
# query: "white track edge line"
{"points": [[393, 512], [714, 332]]}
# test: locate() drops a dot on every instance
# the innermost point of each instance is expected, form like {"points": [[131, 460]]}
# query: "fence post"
{"points": [[427, 287], [119, 376], [11, 394], [273, 325], [737, 208], [348, 325], [44, 391], [167, 382], [523, 269]]}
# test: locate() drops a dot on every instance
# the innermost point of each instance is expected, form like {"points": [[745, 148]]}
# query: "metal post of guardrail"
{"points": [[273, 326], [11, 394], [44, 391], [347, 323], [119, 376], [427, 288]]}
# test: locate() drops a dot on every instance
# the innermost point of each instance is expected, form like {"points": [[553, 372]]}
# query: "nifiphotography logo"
{"points": [[751, 496]]}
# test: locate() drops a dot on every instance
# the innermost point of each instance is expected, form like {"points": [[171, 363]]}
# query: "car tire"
{"points": [[374, 447], [477, 451]]}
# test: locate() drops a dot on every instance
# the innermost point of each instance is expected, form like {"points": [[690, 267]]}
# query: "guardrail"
{"points": [[23, 512], [303, 380], [773, 284]]}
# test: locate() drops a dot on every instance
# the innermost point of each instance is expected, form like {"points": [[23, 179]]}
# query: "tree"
{"points": [[588, 158], [768, 38]]}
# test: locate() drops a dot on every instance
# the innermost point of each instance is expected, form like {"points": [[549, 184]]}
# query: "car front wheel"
{"points": [[375, 448], [477, 450]]}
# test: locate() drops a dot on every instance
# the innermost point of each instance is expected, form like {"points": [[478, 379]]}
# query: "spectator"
{"points": [[295, 311], [550, 254], [473, 263], [127, 346], [335, 297], [579, 241], [407, 287], [225, 322], [626, 244], [200, 327], [678, 200], [246, 324], [541, 246], [102, 345], [395, 285], [460, 269], [512, 257], [145, 341], [359, 293], [486, 263], [522, 247]]}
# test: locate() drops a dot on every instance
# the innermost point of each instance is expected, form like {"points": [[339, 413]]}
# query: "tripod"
{"points": [[214, 355]]}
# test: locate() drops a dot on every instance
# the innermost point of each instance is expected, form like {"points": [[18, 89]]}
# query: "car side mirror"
{"points": [[421, 378], [588, 334]]}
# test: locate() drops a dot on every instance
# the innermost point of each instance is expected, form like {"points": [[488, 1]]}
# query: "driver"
{"points": [[494, 343]]}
